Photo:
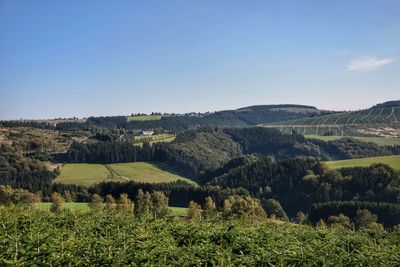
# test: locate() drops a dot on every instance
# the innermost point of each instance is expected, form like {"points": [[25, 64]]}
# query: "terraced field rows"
{"points": [[370, 122], [368, 116]]}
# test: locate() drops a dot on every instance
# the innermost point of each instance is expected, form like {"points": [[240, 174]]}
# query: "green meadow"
{"points": [[393, 161], [144, 172], [144, 118], [156, 138]]}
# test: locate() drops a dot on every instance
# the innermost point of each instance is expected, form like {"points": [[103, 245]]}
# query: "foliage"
{"points": [[125, 205], [22, 172], [37, 238], [364, 219], [194, 211], [340, 221], [243, 207], [9, 195], [387, 213], [57, 202], [273, 207], [209, 208]]}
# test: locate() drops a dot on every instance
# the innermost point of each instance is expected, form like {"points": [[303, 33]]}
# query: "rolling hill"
{"points": [[246, 116], [380, 120]]}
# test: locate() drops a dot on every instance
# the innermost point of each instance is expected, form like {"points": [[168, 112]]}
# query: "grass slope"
{"points": [[146, 172], [84, 174], [382, 141], [393, 161], [139, 140], [89, 174], [144, 118]]}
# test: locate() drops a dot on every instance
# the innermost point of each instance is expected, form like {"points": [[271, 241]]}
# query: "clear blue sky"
{"points": [[80, 58]]}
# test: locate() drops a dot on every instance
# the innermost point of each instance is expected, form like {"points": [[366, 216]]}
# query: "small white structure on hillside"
{"points": [[147, 133]]}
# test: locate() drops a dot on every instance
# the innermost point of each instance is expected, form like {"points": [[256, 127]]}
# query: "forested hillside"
{"points": [[285, 171], [247, 116]]}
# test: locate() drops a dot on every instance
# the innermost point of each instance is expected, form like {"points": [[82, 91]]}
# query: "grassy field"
{"points": [[146, 172], [84, 207], [144, 118], [382, 141], [84, 174], [89, 174], [154, 138], [178, 211], [393, 161]]}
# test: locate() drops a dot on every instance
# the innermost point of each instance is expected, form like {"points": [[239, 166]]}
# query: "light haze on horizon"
{"points": [[95, 57]]}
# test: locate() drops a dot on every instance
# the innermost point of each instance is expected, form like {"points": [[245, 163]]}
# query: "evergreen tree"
{"points": [[160, 204], [209, 208], [57, 202], [124, 204], [340, 221], [365, 219], [110, 202], [273, 207], [302, 218], [194, 211], [96, 203]]}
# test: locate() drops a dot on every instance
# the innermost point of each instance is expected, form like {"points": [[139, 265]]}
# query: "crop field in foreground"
{"points": [[84, 207], [393, 161], [37, 238], [144, 118], [382, 141], [89, 174]]}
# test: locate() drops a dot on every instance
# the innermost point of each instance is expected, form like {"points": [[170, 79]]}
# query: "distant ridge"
{"points": [[380, 120], [278, 106], [387, 104]]}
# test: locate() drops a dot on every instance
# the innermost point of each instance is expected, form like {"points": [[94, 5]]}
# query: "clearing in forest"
{"points": [[392, 161], [145, 172]]}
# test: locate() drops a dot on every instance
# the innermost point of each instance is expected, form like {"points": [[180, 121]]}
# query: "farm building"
{"points": [[147, 133]]}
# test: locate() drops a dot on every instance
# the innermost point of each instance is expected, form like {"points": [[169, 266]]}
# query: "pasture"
{"points": [[84, 174], [153, 138], [382, 141], [144, 118], [144, 172], [393, 161]]}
